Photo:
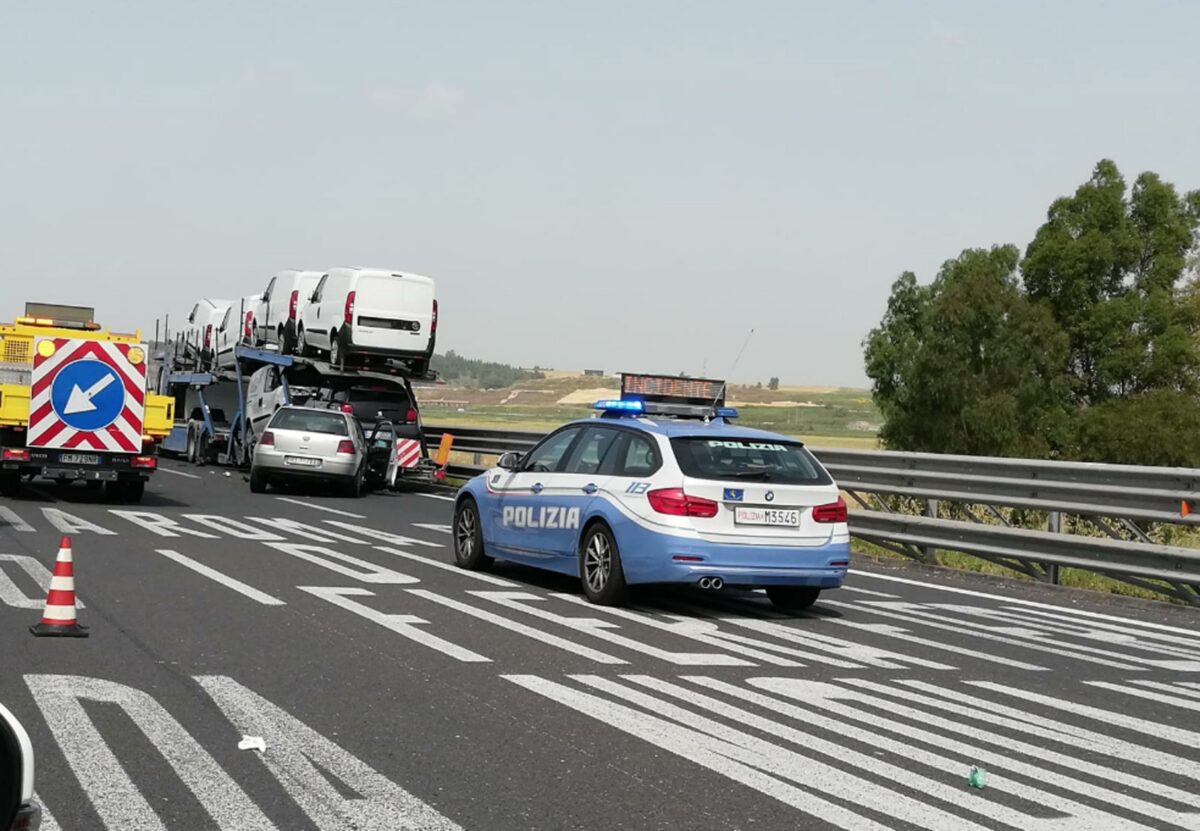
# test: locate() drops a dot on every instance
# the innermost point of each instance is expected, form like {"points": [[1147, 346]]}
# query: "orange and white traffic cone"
{"points": [[58, 620]]}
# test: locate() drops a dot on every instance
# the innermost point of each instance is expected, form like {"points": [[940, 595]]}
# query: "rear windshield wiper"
{"points": [[764, 475]]}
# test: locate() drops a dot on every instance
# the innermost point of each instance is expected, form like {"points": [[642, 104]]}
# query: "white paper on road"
{"points": [[295, 752], [116, 799]]}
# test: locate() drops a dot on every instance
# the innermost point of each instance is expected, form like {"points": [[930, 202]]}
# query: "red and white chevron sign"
{"points": [[87, 394], [408, 452]]}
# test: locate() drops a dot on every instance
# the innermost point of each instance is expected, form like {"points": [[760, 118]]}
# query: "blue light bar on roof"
{"points": [[727, 412], [620, 405]]}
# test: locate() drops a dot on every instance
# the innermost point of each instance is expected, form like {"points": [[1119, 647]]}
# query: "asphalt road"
{"points": [[391, 690]]}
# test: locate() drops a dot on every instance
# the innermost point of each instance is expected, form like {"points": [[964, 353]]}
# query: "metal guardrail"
{"points": [[966, 503]]}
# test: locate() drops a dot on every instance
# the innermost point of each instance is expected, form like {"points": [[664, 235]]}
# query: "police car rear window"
{"points": [[310, 421], [748, 460]]}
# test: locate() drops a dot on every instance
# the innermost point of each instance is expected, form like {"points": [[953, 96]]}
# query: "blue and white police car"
{"points": [[662, 487]]}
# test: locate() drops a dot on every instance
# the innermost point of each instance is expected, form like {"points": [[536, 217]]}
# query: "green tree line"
{"points": [[477, 373], [1088, 347]]}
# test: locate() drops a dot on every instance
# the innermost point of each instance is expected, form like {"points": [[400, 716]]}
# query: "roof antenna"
{"points": [[745, 343], [725, 384]]}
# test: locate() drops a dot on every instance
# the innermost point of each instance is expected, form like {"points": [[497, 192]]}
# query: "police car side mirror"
{"points": [[509, 461]]}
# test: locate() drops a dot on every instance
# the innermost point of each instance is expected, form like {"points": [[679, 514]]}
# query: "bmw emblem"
{"points": [[770, 496]]}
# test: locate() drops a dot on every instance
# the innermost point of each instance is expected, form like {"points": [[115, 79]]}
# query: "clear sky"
{"points": [[615, 185]]}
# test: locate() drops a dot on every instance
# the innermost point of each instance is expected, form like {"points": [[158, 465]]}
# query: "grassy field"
{"points": [[821, 417]]}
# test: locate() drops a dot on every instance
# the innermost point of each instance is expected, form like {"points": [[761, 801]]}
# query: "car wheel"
{"points": [[354, 488], [258, 482], [306, 351], [468, 538], [190, 454], [10, 484], [600, 569], [792, 598]]}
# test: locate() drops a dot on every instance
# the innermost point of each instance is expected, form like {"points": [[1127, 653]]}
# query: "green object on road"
{"points": [[977, 778]]}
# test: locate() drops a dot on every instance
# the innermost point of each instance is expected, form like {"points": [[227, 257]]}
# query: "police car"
{"points": [[662, 487]]}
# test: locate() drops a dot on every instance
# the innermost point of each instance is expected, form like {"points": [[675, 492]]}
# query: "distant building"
{"points": [[595, 373]]}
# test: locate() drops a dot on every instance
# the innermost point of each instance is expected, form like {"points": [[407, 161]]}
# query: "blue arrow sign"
{"points": [[87, 395]]}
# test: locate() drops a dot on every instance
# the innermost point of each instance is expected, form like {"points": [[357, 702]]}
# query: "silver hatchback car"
{"points": [[302, 443]]}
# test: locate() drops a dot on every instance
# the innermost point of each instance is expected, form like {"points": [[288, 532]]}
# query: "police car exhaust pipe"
{"points": [[713, 583]]}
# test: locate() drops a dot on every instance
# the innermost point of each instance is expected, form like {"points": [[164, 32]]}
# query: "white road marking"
{"points": [[876, 712], [461, 572], [1031, 603], [520, 628], [1117, 749], [9, 517], [725, 758], [697, 629], [66, 523], [324, 508], [118, 802], [1182, 688], [233, 528], [437, 496], [935, 622], [308, 533], [10, 592], [902, 634], [174, 472], [857, 590], [815, 643], [159, 524], [404, 625], [382, 536], [49, 823], [876, 770], [433, 526], [304, 761], [225, 580], [529, 604], [1173, 698], [343, 564]]}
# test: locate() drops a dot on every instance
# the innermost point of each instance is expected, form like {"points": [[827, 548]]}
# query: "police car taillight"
{"points": [[831, 512], [675, 502], [292, 301]]}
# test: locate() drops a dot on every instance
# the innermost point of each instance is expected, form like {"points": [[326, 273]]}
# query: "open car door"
{"points": [[381, 455]]}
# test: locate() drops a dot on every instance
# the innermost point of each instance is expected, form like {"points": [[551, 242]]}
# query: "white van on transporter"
{"points": [[278, 314], [371, 314]]}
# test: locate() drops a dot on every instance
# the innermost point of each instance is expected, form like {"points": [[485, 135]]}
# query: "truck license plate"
{"points": [[301, 461], [78, 459], [767, 516]]}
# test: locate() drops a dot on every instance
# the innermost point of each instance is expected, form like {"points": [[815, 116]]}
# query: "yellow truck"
{"points": [[74, 404]]}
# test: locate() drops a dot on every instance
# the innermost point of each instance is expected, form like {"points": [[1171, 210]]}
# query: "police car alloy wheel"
{"points": [[468, 538], [600, 569]]}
